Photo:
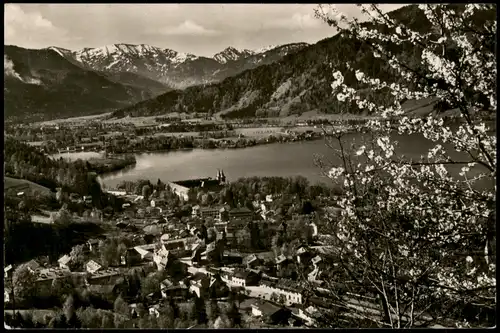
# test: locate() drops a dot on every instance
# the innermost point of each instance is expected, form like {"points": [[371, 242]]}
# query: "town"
{"points": [[209, 252], [171, 171]]}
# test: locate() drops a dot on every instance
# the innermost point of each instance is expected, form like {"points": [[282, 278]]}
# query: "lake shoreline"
{"points": [[138, 152]]}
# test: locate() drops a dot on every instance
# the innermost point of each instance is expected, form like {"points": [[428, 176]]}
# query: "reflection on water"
{"points": [[285, 160]]}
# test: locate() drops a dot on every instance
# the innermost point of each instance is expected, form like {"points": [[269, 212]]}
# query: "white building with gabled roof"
{"points": [[92, 266]]}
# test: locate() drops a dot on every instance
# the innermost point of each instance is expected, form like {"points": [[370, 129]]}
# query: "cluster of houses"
{"points": [[271, 295], [94, 275], [271, 299], [212, 270]]}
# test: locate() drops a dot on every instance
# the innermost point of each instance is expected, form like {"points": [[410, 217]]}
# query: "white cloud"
{"points": [[300, 21], [188, 28], [8, 68], [21, 26]]}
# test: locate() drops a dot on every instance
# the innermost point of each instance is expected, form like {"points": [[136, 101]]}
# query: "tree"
{"points": [[62, 288], [167, 317], [222, 322], [204, 199], [59, 321], [146, 191], [276, 242], [213, 310], [409, 227], [121, 251], [23, 205], [141, 310], [108, 252], [121, 307], [78, 257], [23, 282], [233, 314], [144, 322], [62, 195], [89, 317], [69, 312], [151, 284], [107, 320], [198, 312], [211, 235], [160, 186], [63, 216], [307, 207]]}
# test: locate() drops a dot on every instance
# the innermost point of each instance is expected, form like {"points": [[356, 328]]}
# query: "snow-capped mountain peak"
{"points": [[232, 54], [176, 69], [265, 49], [61, 51]]}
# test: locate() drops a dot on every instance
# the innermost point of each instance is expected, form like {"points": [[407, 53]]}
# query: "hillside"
{"points": [[12, 186], [298, 83], [55, 83], [40, 84]]}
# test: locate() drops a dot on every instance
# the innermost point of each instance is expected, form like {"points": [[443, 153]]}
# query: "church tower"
{"points": [[221, 178]]}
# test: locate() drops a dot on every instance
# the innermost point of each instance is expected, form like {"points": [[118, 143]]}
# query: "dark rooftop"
{"points": [[290, 285], [241, 274], [284, 284], [240, 210], [266, 307], [198, 276]]}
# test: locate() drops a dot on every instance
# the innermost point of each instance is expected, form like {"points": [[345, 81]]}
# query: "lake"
{"points": [[279, 159]]}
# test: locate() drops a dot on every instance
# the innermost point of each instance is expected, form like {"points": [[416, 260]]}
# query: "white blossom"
{"points": [[446, 207], [361, 150]]}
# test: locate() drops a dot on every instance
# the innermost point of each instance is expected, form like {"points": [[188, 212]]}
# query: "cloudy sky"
{"points": [[199, 29]]}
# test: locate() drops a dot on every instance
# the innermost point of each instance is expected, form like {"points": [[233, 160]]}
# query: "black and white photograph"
{"points": [[250, 166]]}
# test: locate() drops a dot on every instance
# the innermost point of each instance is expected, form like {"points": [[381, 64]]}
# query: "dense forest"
{"points": [[79, 177], [23, 161]]}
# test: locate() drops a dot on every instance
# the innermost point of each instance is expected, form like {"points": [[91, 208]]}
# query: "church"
{"points": [[181, 187]]}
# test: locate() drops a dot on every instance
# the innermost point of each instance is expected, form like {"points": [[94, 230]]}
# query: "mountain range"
{"points": [[42, 83], [298, 83], [174, 69], [142, 80]]}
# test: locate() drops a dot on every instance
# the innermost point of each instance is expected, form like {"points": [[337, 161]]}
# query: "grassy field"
{"points": [[415, 108], [137, 121], [12, 186], [72, 120], [258, 132], [177, 134]]}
